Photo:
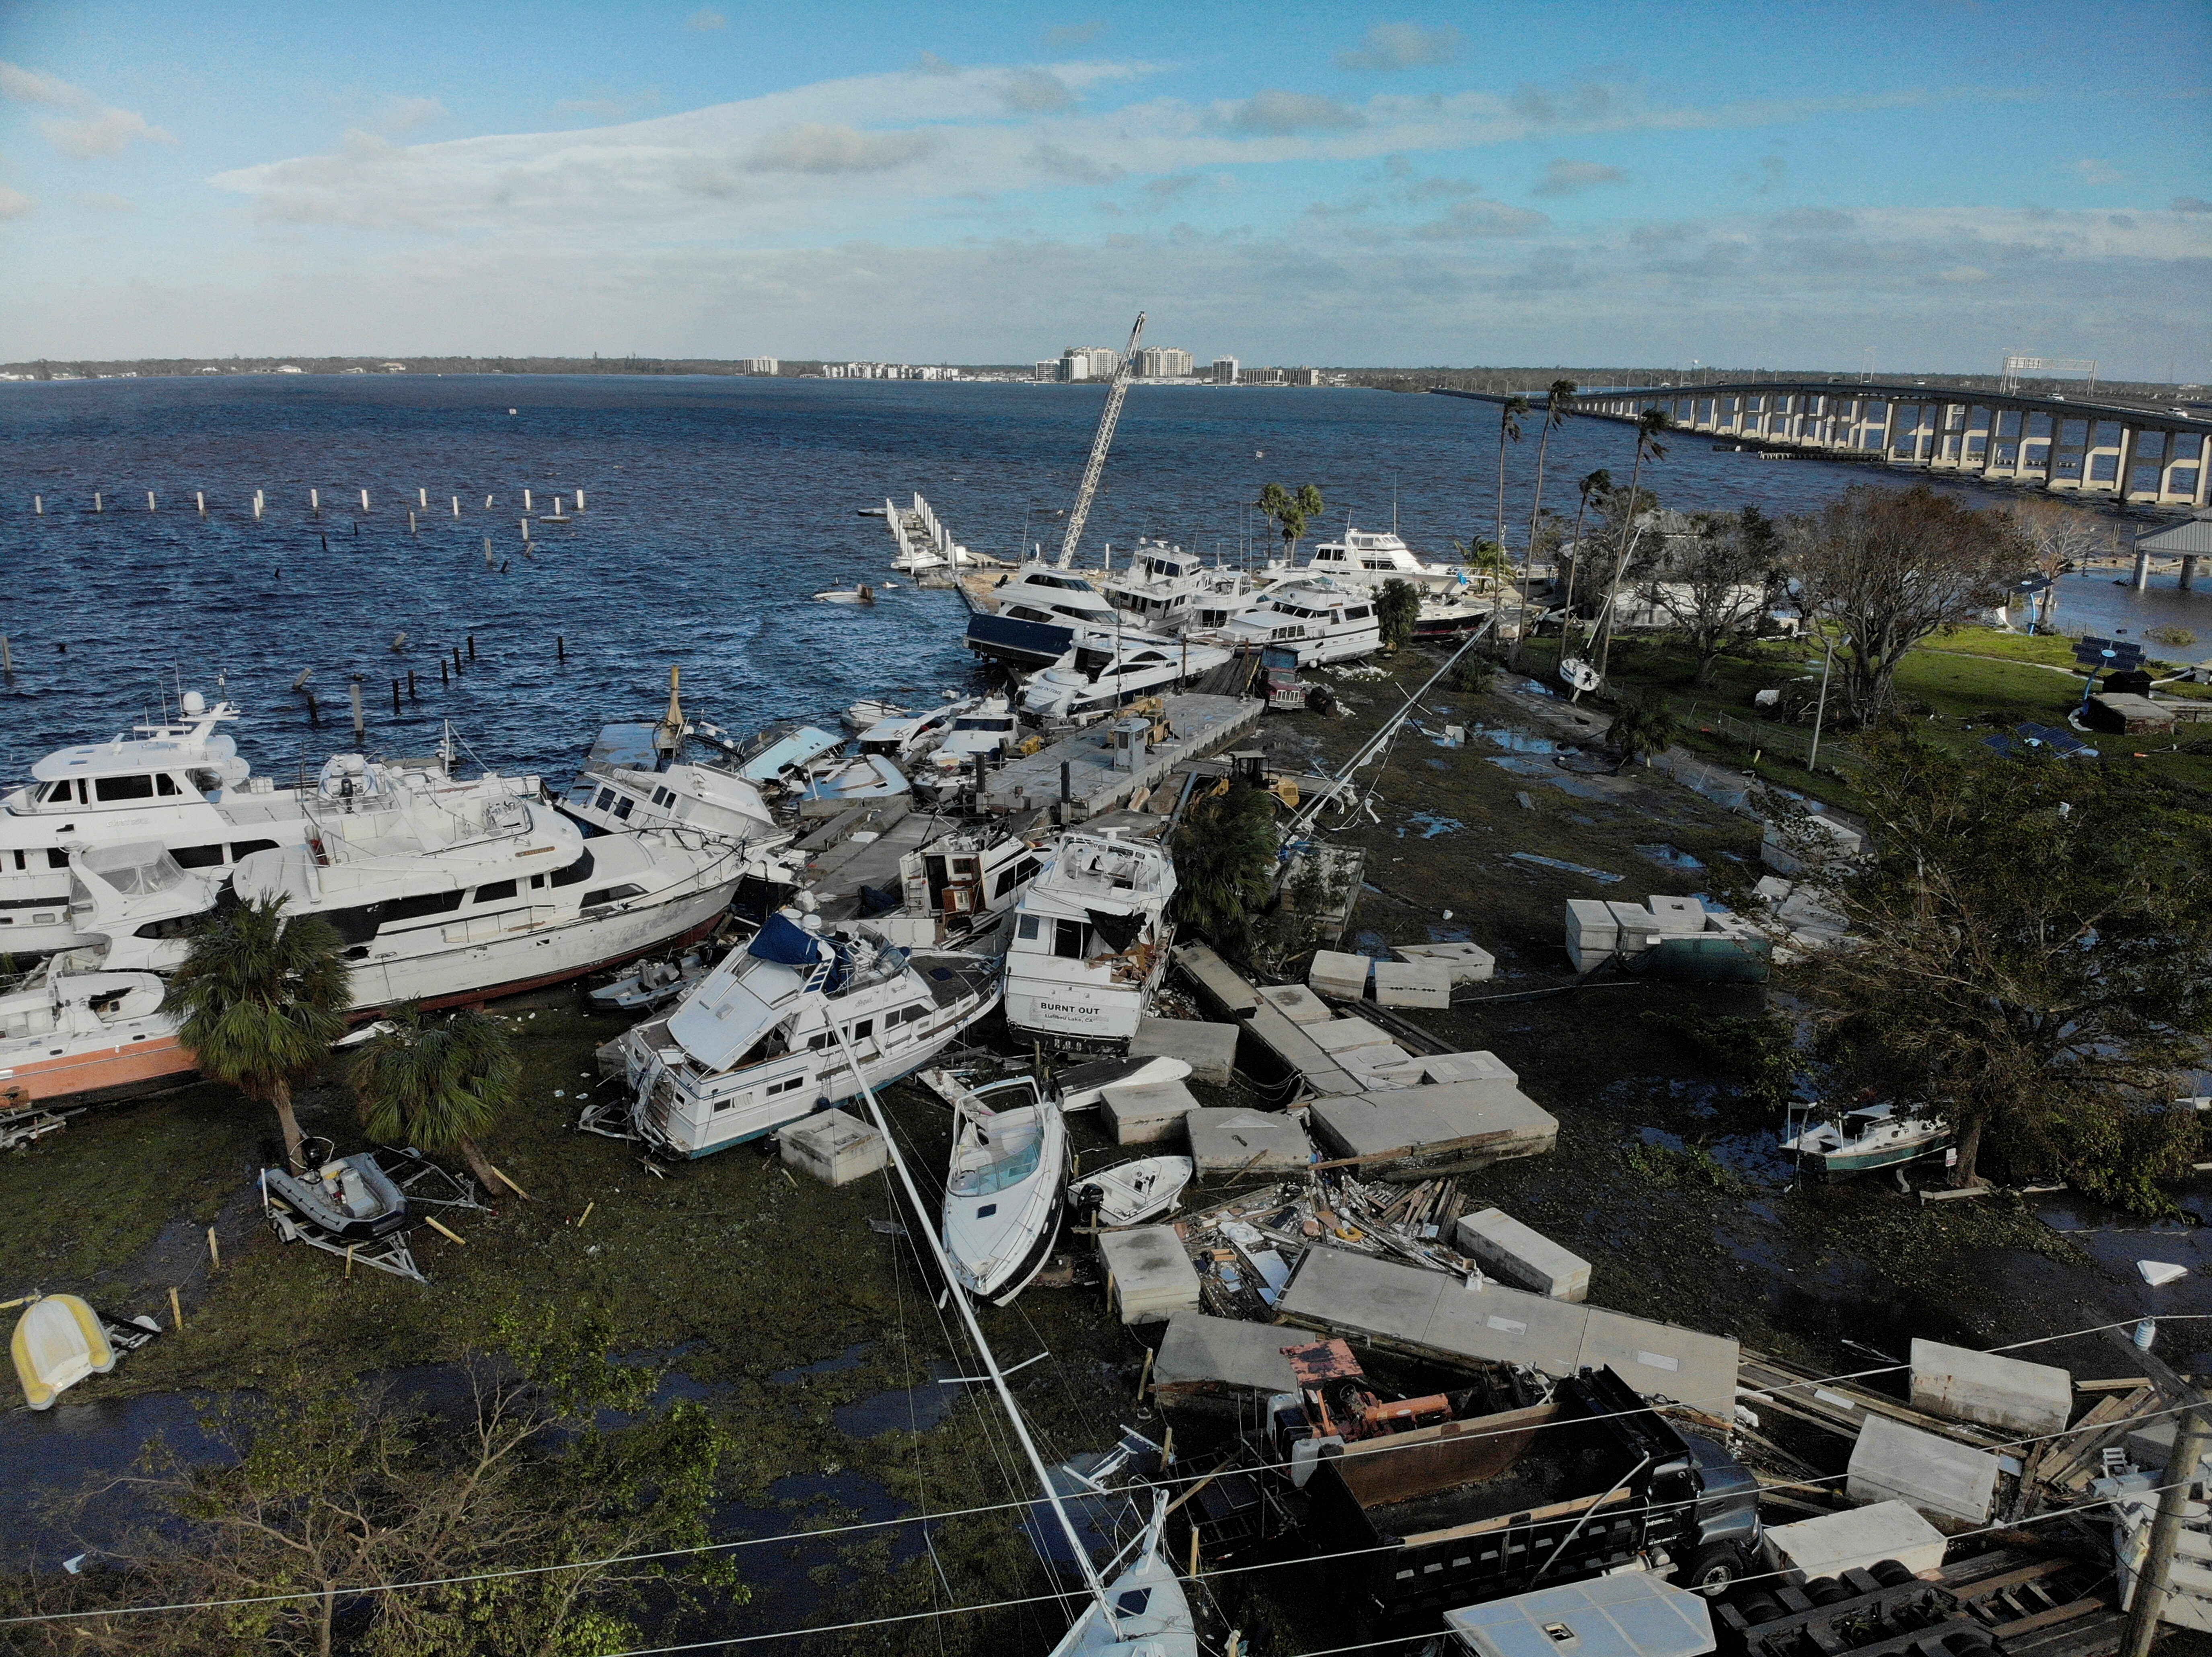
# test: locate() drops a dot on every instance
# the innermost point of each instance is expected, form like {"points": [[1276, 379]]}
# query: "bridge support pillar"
{"points": [[2187, 571], [2142, 571]]}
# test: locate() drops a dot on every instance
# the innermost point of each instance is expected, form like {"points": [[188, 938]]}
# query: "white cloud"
{"points": [[2093, 171], [1275, 113], [1463, 220], [1964, 273], [1388, 47], [405, 114], [1034, 92], [1565, 178], [813, 148], [98, 130], [13, 204], [705, 20]]}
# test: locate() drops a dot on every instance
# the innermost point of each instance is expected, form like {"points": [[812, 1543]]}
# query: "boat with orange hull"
{"points": [[87, 1036]]}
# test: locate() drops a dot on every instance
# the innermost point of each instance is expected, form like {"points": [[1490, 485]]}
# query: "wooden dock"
{"points": [[1098, 777]]}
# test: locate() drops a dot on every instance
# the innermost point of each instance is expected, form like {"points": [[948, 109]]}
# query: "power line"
{"points": [[1002, 1507]]}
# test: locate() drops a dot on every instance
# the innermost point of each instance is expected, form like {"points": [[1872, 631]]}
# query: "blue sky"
{"points": [[1932, 183]]}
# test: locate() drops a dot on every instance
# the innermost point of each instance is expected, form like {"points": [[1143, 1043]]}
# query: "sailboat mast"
{"points": [[1108, 419], [922, 1216]]}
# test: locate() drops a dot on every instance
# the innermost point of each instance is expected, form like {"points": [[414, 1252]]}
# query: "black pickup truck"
{"points": [[1592, 1482]]}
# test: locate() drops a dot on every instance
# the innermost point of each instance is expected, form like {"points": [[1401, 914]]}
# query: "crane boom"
{"points": [[1107, 420]]}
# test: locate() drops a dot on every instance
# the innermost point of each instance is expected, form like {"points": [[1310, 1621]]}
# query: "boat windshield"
{"points": [[993, 1169]]}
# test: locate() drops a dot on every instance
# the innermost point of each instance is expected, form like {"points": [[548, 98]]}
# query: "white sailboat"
{"points": [[1091, 942], [1003, 1196], [797, 1020]]}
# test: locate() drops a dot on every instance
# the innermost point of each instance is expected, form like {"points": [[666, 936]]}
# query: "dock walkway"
{"points": [[1095, 782]]}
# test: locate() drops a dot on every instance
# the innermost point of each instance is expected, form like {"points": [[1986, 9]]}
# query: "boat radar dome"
{"points": [[195, 704]]}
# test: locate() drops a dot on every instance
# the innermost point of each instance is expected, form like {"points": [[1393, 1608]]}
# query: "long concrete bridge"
{"points": [[2133, 454]]}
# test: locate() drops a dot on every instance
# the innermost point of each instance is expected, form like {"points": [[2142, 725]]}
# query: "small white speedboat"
{"points": [[868, 711], [862, 594], [1145, 1611], [1131, 1193], [1003, 1197], [867, 777]]}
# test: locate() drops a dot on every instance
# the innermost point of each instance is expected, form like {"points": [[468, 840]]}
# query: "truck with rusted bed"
{"points": [[1590, 1482]]}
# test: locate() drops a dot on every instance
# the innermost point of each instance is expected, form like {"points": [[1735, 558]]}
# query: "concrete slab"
{"points": [[1494, 1121], [1506, 1248], [1466, 1067], [1334, 1036], [1961, 1384], [1677, 917], [1242, 1141], [1148, 1275], [1287, 1047], [1296, 1003], [1219, 985], [1379, 1068], [1335, 973], [1146, 1113], [1941, 1478], [1431, 1315], [1202, 1354], [1412, 984], [1209, 1050], [1467, 964], [834, 1148], [1838, 1542]]}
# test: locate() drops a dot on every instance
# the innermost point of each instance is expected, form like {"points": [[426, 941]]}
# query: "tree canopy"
{"points": [[1291, 512], [438, 1082]]}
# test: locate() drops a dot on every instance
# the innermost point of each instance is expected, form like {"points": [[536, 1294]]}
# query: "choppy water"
{"points": [[717, 506]]}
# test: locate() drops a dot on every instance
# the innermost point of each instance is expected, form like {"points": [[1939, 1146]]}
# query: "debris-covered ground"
{"points": [[799, 1309]]}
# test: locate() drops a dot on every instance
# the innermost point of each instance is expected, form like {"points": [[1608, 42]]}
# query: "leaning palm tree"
{"points": [[437, 1082], [1598, 483], [1649, 425], [1508, 429], [262, 995], [1555, 411]]}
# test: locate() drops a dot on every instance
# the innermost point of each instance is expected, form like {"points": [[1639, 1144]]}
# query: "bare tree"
{"points": [[2057, 537], [1651, 425], [1888, 567], [1718, 585]]}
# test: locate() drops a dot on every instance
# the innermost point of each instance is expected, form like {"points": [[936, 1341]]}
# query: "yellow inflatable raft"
{"points": [[58, 1342]]}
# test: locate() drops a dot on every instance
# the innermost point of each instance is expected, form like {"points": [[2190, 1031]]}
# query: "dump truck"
{"points": [[1591, 1482]]}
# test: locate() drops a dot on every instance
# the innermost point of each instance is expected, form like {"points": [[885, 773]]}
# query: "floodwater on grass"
{"points": [[1430, 824], [1668, 857], [902, 1409], [851, 1358], [1521, 742]]}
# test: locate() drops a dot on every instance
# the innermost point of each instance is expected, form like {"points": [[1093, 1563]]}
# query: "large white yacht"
{"points": [[1094, 678], [1168, 590], [1039, 612], [1316, 619], [1367, 558], [635, 778], [774, 1033], [1090, 941], [444, 892], [987, 728], [181, 786]]}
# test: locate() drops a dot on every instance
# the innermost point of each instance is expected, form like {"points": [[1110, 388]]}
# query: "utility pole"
{"points": [[2190, 1437]]}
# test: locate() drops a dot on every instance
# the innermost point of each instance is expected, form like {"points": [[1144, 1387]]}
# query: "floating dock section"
{"points": [[1102, 771]]}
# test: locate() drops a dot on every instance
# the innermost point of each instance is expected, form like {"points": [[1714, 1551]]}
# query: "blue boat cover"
{"points": [[782, 940]]}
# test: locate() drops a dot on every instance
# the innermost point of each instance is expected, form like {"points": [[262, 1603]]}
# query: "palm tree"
{"points": [[1649, 425], [262, 995], [437, 1083], [1645, 725], [1599, 483], [1509, 426], [1555, 411], [1293, 512]]}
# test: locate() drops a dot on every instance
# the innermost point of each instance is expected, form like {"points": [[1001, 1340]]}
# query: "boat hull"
{"points": [[1843, 1165], [1016, 643], [1005, 1291], [99, 1075]]}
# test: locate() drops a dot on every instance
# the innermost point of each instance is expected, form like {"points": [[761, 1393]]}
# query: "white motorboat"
{"points": [[635, 778], [87, 1036], [1834, 1144], [783, 751], [1130, 1193], [1083, 1087], [775, 1033], [1142, 1609], [1037, 614], [958, 890], [870, 777], [180, 785], [1315, 619], [862, 594], [986, 727], [906, 738], [868, 711], [1093, 679], [1002, 1197], [1091, 942], [1364, 559]]}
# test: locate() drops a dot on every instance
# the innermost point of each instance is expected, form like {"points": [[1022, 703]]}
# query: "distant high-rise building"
{"points": [[1165, 362], [1089, 362], [1048, 369], [1305, 377], [1224, 371], [758, 365]]}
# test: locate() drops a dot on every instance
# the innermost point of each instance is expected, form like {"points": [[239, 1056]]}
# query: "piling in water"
{"points": [[526, 529], [411, 696], [199, 500], [7, 656], [359, 725], [560, 647], [314, 499], [395, 695], [149, 501], [423, 499], [411, 524], [97, 504], [444, 676], [526, 501], [579, 499], [472, 647], [364, 500], [39, 505], [457, 505]]}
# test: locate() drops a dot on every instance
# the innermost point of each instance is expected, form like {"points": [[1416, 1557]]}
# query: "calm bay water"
{"points": [[717, 506]]}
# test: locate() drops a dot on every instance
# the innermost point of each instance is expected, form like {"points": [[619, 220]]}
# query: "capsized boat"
{"points": [[871, 777], [1035, 615], [783, 750], [1144, 1610], [1130, 1193], [775, 1031], [349, 1199], [862, 594], [1834, 1144], [1002, 1197], [904, 738]]}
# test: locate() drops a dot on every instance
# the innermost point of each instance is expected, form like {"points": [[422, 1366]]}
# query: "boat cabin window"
{"points": [[1068, 938], [124, 788], [1009, 878], [613, 894], [605, 801], [622, 806], [580, 870], [663, 796], [243, 849], [192, 857], [1358, 612], [1016, 1163], [1028, 928], [1026, 613], [494, 890], [56, 857], [865, 1031]]}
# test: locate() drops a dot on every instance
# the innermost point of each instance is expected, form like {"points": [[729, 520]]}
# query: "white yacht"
{"points": [[181, 786], [1316, 619], [1364, 559], [1003, 1196], [907, 739], [1095, 678], [987, 727], [1090, 941], [1039, 612], [87, 1036], [633, 779], [773, 1034], [444, 892]]}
